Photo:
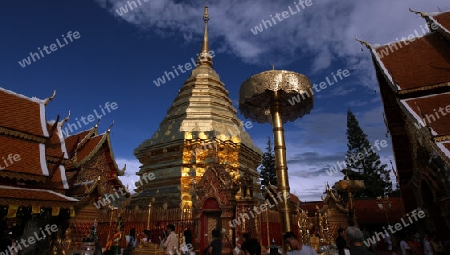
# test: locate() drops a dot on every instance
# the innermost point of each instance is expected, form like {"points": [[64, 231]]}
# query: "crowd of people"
{"points": [[353, 241]]}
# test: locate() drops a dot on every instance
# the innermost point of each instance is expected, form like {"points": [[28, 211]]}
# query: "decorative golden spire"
{"points": [[204, 57]]}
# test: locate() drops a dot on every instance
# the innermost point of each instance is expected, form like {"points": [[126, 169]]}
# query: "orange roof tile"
{"points": [[423, 62], [21, 113], [46, 197], [31, 154]]}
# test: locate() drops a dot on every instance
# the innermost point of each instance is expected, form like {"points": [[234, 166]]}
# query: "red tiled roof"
{"points": [[71, 141], [443, 19], [89, 147], [58, 179], [53, 148], [429, 106], [310, 207], [32, 156], [368, 212], [423, 62], [294, 199], [23, 114], [33, 194]]}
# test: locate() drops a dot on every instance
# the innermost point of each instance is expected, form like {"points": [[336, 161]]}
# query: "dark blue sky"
{"points": [[117, 58]]}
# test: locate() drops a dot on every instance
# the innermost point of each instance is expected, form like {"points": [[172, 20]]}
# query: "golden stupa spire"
{"points": [[204, 57]]}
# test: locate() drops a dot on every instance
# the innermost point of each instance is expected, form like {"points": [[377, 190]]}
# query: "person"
{"points": [[404, 247], [388, 241], [187, 240], [427, 250], [356, 238], [340, 241], [250, 246], [131, 242], [215, 247], [297, 248], [171, 243]]}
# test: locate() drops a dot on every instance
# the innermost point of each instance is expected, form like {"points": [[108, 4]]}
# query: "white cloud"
{"points": [[320, 33], [130, 177]]}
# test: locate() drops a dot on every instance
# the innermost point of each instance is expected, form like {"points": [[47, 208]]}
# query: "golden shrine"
{"points": [[203, 160]]}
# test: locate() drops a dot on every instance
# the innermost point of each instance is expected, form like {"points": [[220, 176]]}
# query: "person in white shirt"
{"points": [[171, 243], [297, 248]]}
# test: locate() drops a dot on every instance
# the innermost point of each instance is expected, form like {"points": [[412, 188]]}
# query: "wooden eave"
{"points": [[23, 135]]}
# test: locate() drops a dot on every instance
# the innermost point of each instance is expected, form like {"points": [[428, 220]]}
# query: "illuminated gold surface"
{"points": [[255, 95], [265, 98], [199, 151], [350, 186], [280, 159]]}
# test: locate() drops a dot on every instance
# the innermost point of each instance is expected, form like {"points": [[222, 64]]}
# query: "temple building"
{"points": [[48, 179], [203, 160], [414, 80]]}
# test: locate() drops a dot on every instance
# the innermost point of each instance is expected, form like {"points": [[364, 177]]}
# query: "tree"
{"points": [[267, 168], [363, 162]]}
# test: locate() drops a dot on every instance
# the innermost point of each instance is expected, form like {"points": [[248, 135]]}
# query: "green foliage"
{"points": [[267, 167], [369, 169]]}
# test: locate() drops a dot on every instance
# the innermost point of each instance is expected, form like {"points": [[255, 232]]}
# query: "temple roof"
{"points": [[28, 117], [418, 72], [34, 197], [407, 69], [35, 170], [426, 111], [420, 63], [56, 147], [32, 157], [75, 141], [58, 179], [366, 210], [442, 20]]}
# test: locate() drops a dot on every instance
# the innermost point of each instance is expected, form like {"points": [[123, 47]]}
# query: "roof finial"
{"points": [[65, 120], [109, 129], [273, 67], [362, 42], [50, 98], [423, 14], [204, 57]]}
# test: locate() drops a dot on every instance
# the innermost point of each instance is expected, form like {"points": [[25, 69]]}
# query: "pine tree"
{"points": [[363, 162], [267, 168]]}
